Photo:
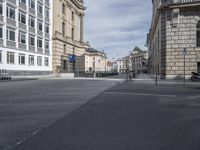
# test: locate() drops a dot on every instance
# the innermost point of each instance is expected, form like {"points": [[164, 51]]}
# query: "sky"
{"points": [[117, 26]]}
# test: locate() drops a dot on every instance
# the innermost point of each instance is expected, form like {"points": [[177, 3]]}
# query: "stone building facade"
{"points": [[123, 64], [175, 26], [138, 61], [68, 20], [25, 36], [95, 61]]}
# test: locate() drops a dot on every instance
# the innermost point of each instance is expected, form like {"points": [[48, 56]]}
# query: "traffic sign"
{"points": [[72, 58]]}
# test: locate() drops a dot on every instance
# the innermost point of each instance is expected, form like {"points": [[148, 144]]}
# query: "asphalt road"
{"points": [[26, 107], [129, 116]]}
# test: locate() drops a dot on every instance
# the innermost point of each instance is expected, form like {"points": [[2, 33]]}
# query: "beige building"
{"points": [[95, 61], [138, 61], [68, 18], [175, 26]]}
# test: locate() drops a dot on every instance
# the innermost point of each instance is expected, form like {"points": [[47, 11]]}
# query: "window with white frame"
{"points": [[46, 28], [22, 17], [1, 32], [39, 25], [22, 59], [10, 58], [32, 21], [31, 60], [31, 40], [22, 37], [46, 61], [10, 34], [0, 56], [39, 43], [10, 13], [39, 61], [46, 44], [23, 1], [39, 6], [47, 12], [32, 4], [1, 8]]}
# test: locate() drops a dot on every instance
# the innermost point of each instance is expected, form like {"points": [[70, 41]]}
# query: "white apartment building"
{"points": [[25, 36]]}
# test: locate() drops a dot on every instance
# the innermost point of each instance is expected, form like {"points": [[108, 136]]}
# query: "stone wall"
{"points": [[179, 36]]}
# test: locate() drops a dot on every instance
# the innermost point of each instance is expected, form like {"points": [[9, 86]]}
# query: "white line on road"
{"points": [[140, 94]]}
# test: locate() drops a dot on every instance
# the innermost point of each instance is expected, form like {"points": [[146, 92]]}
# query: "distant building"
{"points": [[175, 26], [122, 64], [138, 60], [109, 66], [95, 61]]}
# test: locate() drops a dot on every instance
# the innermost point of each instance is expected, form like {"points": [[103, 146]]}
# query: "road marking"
{"points": [[140, 94]]}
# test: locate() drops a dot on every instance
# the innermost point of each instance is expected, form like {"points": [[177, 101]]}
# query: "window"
{"points": [[39, 61], [22, 59], [47, 12], [10, 34], [39, 6], [46, 44], [1, 9], [10, 57], [64, 47], [32, 4], [63, 8], [63, 29], [31, 21], [10, 13], [31, 40], [22, 17], [46, 61], [0, 56], [198, 34], [72, 33], [39, 25], [22, 38], [31, 60], [1, 32], [46, 28], [39, 43], [72, 16], [23, 1]]}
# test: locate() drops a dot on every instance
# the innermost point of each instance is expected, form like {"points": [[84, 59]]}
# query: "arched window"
{"points": [[198, 34]]}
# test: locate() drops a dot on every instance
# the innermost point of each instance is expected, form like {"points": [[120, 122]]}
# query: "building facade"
{"points": [[138, 61], [68, 19], [123, 64], [25, 36], [95, 61], [175, 27]]}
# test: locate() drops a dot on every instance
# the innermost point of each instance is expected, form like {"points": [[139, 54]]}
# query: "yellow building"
{"points": [[68, 18]]}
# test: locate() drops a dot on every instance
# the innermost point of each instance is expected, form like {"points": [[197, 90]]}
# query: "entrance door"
{"points": [[65, 65], [198, 67]]}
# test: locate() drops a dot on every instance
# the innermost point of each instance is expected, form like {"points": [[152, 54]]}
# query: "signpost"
{"points": [[184, 52], [72, 59]]}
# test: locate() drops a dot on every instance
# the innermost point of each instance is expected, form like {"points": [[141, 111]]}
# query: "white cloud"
{"points": [[117, 26]]}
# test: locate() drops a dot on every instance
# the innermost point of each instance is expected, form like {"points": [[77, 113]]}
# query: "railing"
{"points": [[183, 1]]}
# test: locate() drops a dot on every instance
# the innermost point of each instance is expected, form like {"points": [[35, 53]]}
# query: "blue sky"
{"points": [[117, 26]]}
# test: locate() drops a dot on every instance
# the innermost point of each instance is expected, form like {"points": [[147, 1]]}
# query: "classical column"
{"points": [[81, 27]]}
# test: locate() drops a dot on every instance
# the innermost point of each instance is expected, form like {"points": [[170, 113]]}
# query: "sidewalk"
{"points": [[147, 78]]}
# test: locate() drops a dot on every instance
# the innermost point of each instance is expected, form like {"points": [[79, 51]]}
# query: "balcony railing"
{"points": [[183, 1]]}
